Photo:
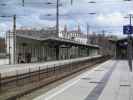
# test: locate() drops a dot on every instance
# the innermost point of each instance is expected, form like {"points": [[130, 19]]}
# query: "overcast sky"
{"points": [[109, 14]]}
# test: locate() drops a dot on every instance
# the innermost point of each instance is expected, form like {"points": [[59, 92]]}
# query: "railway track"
{"points": [[17, 86]]}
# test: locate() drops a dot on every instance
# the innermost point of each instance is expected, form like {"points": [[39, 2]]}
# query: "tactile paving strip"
{"points": [[96, 92]]}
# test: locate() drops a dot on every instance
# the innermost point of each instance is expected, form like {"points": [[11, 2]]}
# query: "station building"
{"points": [[121, 48], [74, 35], [32, 45]]}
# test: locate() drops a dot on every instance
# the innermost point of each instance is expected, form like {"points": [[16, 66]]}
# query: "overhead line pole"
{"points": [[14, 38], [57, 17], [130, 44], [88, 30], [9, 35], [23, 3]]}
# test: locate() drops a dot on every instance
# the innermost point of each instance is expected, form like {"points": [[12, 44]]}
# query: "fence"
{"points": [[33, 80]]}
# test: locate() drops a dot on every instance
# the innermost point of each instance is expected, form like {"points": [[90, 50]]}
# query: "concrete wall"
{"points": [[4, 61]]}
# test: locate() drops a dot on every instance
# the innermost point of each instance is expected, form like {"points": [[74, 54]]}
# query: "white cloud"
{"points": [[114, 19], [109, 14]]}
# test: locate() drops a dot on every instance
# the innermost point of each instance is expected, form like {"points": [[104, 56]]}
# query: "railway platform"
{"points": [[110, 80], [10, 70], [21, 79]]}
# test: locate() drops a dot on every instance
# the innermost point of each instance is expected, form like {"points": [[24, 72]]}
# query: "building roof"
{"points": [[41, 33], [61, 40], [69, 41]]}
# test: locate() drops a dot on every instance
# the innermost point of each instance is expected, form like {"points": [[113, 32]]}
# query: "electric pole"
{"points": [[88, 30], [57, 17], [23, 3], [130, 44], [71, 2], [14, 38], [9, 36]]}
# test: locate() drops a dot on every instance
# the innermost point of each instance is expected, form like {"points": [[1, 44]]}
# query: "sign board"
{"points": [[127, 29]]}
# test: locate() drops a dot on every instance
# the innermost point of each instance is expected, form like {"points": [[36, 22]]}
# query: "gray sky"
{"points": [[109, 14]]}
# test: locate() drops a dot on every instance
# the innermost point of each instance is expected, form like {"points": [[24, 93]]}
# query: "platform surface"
{"points": [[110, 80], [11, 70]]}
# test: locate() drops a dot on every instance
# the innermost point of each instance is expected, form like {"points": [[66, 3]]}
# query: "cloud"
{"points": [[114, 19], [109, 14]]}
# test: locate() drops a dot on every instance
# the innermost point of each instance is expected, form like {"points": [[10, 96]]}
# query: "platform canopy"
{"points": [[58, 41]]}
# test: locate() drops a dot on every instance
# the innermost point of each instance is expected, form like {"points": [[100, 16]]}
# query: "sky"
{"points": [[109, 14]]}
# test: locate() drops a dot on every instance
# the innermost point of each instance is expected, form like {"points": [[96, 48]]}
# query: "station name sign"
{"points": [[127, 29]]}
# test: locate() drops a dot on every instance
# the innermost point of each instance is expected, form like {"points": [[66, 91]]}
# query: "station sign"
{"points": [[127, 29]]}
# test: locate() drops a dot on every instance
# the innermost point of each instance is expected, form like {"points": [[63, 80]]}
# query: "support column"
{"points": [[78, 51], [88, 53], [57, 52], [12, 43]]}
